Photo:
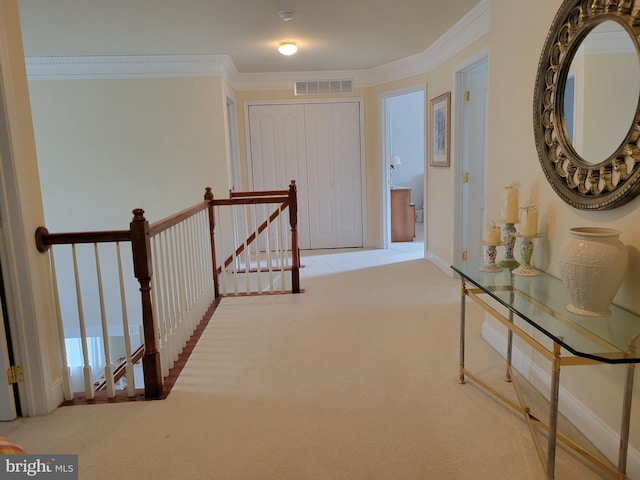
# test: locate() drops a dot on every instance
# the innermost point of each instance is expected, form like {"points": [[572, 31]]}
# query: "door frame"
{"points": [[302, 101], [460, 136], [385, 196], [10, 407], [29, 301], [233, 162]]}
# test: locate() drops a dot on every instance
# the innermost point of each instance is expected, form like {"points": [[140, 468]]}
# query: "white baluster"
{"points": [[256, 243], [66, 371], [131, 384], [108, 367], [86, 370], [268, 246]]}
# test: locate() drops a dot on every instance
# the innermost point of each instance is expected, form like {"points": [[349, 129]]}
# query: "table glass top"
{"points": [[542, 301]]}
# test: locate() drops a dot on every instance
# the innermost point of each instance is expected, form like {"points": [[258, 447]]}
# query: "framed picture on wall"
{"points": [[440, 130]]}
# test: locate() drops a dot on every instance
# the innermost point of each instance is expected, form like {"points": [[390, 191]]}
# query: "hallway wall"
{"points": [[106, 147], [514, 49]]}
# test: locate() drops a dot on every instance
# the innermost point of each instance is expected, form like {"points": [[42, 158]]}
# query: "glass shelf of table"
{"points": [[542, 302]]}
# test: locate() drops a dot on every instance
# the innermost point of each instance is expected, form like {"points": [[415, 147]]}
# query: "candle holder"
{"points": [[509, 241], [526, 250], [490, 258]]}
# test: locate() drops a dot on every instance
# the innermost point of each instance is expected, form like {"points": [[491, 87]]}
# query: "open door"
{"points": [[472, 93]]}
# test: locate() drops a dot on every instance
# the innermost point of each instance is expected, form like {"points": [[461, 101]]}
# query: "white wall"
{"points": [[106, 147], [518, 32]]}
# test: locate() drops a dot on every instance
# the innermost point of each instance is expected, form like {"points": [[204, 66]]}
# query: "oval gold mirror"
{"points": [[587, 103]]}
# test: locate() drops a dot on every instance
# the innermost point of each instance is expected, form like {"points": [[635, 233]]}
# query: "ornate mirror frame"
{"points": [[615, 180]]}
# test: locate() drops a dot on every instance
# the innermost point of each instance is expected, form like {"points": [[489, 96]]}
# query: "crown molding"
{"points": [[468, 29], [130, 66]]}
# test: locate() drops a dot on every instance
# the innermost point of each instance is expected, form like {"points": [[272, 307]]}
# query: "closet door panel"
{"points": [[347, 133], [278, 155], [333, 163], [318, 145], [322, 176]]}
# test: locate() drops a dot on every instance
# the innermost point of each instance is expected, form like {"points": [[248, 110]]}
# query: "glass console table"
{"points": [[567, 339]]}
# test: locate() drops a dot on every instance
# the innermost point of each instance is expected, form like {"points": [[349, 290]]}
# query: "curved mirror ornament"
{"points": [[566, 110]]}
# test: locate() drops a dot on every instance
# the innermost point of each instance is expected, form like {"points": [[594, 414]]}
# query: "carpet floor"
{"points": [[356, 378]]}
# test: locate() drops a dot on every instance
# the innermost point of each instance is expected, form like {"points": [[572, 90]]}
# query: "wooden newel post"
{"points": [[143, 270], [208, 196], [295, 251]]}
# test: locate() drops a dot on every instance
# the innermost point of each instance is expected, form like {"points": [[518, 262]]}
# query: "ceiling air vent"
{"points": [[322, 87]]}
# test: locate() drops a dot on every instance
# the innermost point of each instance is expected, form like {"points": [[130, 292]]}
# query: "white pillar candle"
{"points": [[493, 235], [510, 203], [529, 222]]}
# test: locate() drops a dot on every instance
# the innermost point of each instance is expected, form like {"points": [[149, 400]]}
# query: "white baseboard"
{"points": [[55, 396], [601, 435], [440, 263], [372, 243]]}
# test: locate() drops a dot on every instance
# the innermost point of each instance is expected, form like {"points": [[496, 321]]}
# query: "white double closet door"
{"points": [[319, 146]]}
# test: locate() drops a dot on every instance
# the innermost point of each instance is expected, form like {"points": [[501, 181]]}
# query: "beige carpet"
{"points": [[354, 379]]}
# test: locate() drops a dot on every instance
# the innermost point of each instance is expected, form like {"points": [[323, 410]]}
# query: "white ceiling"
{"points": [[332, 34]]}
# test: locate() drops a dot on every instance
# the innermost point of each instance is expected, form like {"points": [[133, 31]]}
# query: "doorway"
{"points": [[470, 171], [403, 155], [235, 173]]}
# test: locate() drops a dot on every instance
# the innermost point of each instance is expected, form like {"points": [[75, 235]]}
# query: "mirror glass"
{"points": [[602, 83]]}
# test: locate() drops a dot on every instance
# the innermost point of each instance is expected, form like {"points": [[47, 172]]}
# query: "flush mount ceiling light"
{"points": [[287, 48]]}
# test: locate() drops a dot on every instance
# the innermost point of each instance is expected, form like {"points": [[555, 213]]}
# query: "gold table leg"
{"points": [[626, 418], [556, 362], [553, 411]]}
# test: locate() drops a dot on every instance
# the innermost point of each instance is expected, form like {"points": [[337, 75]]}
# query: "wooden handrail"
{"points": [[251, 200], [262, 193], [44, 239], [289, 198], [139, 235], [121, 369], [261, 228], [173, 220]]}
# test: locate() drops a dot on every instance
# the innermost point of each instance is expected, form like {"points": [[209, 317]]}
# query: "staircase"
{"points": [[126, 317]]}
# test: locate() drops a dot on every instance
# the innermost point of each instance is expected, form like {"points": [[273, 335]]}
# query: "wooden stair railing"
{"points": [[147, 246], [121, 370], [287, 199]]}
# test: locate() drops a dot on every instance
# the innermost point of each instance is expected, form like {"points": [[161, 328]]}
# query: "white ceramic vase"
{"points": [[593, 262]]}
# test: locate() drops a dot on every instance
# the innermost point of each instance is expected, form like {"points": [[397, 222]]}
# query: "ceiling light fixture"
{"points": [[287, 48]]}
